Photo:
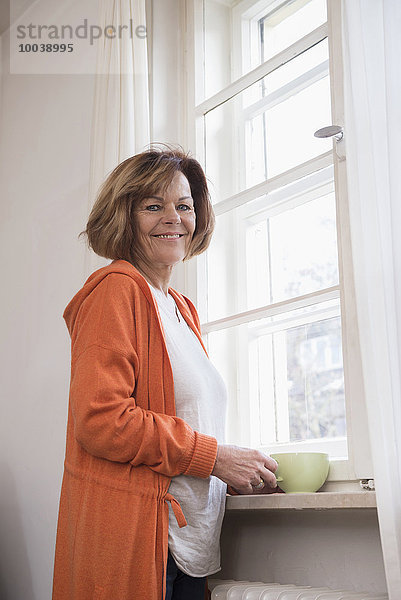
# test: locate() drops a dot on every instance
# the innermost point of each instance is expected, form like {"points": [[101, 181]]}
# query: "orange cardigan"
{"points": [[124, 442]]}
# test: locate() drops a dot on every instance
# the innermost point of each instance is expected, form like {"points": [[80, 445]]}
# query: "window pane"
{"points": [[222, 270], [285, 379], [268, 128], [298, 66], [303, 250], [260, 255], [289, 128], [309, 382], [217, 41], [287, 24], [226, 362], [236, 42]]}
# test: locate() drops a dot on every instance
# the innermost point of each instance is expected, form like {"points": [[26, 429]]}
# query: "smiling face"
{"points": [[165, 224]]}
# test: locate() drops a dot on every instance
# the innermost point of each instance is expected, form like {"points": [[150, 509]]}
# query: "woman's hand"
{"points": [[244, 468]]}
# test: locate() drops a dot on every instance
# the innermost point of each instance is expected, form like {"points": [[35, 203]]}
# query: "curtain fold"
{"points": [[120, 125], [120, 119], [372, 50]]}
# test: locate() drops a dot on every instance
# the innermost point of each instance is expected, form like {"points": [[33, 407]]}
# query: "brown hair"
{"points": [[111, 227]]}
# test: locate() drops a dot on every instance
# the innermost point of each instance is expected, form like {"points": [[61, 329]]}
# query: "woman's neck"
{"points": [[159, 278]]}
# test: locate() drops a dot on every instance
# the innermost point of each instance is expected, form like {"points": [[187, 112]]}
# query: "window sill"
{"points": [[316, 501]]}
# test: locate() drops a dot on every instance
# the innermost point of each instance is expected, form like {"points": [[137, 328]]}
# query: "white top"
{"points": [[200, 399]]}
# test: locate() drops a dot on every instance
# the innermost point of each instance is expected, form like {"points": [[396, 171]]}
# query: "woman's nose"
{"points": [[171, 215]]}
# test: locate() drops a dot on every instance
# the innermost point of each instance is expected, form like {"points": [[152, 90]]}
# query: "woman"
{"points": [[146, 468]]}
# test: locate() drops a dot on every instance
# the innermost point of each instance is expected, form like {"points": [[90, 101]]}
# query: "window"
{"points": [[274, 290]]}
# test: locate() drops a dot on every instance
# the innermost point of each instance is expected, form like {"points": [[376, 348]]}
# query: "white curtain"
{"points": [[120, 120], [372, 51]]}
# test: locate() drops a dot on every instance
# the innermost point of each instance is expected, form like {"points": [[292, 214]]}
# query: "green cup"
{"points": [[301, 472]]}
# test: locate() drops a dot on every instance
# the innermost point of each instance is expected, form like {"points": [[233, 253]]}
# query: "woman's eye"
{"points": [[157, 207]]}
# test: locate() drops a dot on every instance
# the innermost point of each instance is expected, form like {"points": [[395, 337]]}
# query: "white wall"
{"points": [[44, 159], [339, 549]]}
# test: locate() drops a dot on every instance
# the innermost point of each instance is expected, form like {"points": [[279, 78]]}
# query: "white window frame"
{"points": [[359, 463]]}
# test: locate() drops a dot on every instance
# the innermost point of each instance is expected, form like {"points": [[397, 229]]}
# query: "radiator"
{"points": [[257, 590]]}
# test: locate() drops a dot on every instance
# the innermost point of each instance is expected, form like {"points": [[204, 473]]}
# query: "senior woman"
{"points": [[146, 468]]}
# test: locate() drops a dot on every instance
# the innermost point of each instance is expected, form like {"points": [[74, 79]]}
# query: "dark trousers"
{"points": [[181, 586]]}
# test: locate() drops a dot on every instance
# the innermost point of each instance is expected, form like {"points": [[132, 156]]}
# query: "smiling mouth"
{"points": [[173, 236]]}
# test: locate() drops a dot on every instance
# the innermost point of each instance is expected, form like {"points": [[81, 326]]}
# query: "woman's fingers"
{"points": [[265, 490], [271, 464], [266, 477], [265, 469], [269, 477], [244, 468]]}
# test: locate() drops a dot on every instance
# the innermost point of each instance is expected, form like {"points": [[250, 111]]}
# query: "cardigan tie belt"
{"points": [[177, 510]]}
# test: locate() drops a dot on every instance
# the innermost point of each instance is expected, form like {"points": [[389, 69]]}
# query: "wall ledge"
{"points": [[316, 501]]}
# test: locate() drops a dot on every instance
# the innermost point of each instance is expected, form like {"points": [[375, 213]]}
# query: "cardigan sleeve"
{"points": [[109, 424], [107, 421]]}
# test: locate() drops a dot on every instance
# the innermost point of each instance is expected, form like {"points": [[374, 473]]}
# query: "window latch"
{"points": [[367, 484], [331, 131], [336, 132]]}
